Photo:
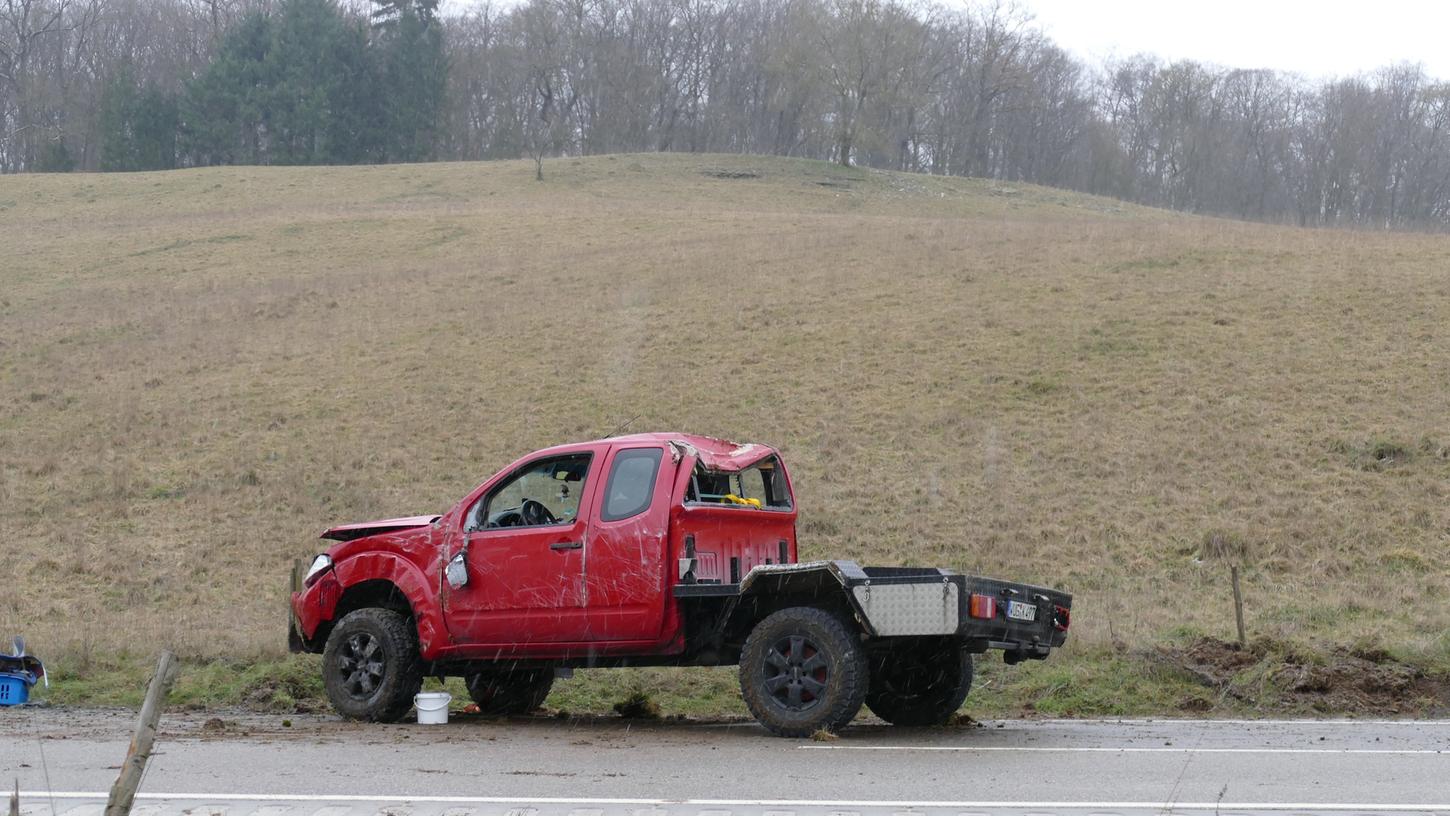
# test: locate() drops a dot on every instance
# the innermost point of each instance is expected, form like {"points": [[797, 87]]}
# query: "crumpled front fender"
{"points": [[318, 604]]}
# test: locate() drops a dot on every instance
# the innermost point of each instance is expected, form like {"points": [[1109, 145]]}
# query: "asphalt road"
{"points": [[250, 765]]}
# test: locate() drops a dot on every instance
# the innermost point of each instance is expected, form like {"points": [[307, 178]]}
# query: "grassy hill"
{"points": [[200, 370]]}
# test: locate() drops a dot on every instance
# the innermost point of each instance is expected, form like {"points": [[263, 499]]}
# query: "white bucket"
{"points": [[432, 707]]}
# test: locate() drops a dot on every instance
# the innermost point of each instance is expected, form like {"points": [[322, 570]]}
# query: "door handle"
{"points": [[567, 545]]}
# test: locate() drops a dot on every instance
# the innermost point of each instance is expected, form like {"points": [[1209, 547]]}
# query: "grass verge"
{"points": [[1190, 678]]}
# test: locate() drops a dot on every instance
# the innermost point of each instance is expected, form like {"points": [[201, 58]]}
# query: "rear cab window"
{"points": [[761, 486]]}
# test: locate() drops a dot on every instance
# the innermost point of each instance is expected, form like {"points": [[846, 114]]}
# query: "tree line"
{"points": [[969, 90]]}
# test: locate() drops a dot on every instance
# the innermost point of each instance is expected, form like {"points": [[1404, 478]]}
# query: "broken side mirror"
{"points": [[457, 570]]}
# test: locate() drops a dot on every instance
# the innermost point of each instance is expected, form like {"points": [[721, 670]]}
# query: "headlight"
{"points": [[320, 564]]}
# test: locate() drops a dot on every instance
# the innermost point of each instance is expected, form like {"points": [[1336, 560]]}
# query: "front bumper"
{"points": [[308, 610]]}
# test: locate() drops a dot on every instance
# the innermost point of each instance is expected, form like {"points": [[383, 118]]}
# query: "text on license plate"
{"points": [[1016, 610]]}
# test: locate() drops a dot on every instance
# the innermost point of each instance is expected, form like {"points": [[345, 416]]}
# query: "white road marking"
{"points": [[1172, 721], [1137, 721], [1395, 807], [1105, 749]]}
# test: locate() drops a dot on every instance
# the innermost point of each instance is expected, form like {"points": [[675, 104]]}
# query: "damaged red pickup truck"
{"points": [[649, 550]]}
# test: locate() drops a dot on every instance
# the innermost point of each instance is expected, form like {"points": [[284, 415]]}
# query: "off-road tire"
{"points": [[509, 692], [918, 685], [376, 685], [780, 653]]}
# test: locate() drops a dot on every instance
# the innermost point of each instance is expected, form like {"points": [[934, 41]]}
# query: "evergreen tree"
{"points": [[138, 126], [322, 103], [118, 101], [56, 158], [157, 118], [296, 88], [225, 112], [414, 70]]}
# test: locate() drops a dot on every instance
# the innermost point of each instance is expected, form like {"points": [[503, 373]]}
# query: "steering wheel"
{"points": [[535, 512]]}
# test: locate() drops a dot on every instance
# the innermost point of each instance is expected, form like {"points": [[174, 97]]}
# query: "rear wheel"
{"points": [[803, 670], [370, 665], [919, 684], [510, 692]]}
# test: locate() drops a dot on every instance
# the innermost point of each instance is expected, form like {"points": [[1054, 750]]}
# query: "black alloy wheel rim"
{"points": [[362, 664], [796, 673]]}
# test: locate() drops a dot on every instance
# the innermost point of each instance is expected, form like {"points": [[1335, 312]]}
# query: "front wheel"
{"points": [[510, 692], [919, 684], [371, 667], [803, 670]]}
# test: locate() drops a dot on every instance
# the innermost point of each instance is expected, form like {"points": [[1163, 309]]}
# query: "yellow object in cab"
{"points": [[734, 499]]}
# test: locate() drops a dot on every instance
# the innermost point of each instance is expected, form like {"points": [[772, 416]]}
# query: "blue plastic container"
{"points": [[13, 690]]}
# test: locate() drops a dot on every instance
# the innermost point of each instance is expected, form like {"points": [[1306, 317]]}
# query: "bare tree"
{"points": [[970, 89], [545, 92], [24, 26]]}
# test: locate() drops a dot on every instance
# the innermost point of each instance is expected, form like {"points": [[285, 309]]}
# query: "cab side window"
{"points": [[538, 494], [631, 483]]}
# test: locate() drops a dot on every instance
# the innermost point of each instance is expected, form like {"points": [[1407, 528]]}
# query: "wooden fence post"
{"points": [[123, 793], [1238, 604]]}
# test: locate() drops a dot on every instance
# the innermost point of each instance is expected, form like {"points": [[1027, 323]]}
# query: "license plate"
{"points": [[1016, 610]]}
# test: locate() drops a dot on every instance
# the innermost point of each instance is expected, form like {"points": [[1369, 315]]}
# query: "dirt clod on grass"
{"points": [[637, 706], [1275, 676], [730, 174]]}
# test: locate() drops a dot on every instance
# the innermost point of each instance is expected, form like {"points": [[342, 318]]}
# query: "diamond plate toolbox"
{"points": [[910, 609]]}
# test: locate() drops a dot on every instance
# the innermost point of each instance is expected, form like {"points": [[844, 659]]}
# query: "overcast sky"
{"points": [[1318, 39]]}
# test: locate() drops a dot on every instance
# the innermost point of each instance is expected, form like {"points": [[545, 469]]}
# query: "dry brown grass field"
{"points": [[200, 370]]}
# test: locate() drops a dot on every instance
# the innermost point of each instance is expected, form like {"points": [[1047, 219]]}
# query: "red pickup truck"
{"points": [[649, 550]]}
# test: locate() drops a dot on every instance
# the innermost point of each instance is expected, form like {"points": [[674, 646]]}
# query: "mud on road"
{"points": [[241, 725]]}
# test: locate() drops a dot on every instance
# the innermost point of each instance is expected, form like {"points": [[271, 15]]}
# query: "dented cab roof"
{"points": [[714, 454]]}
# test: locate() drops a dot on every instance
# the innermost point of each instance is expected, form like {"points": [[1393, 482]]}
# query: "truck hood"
{"points": [[347, 532]]}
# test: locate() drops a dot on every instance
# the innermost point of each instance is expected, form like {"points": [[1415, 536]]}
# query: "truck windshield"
{"points": [[761, 487]]}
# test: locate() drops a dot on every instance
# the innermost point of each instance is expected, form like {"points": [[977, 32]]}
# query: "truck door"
{"points": [[526, 550], [625, 575]]}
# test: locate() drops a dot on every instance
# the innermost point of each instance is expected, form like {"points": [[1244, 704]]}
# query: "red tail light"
{"points": [[983, 606], [1061, 618]]}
